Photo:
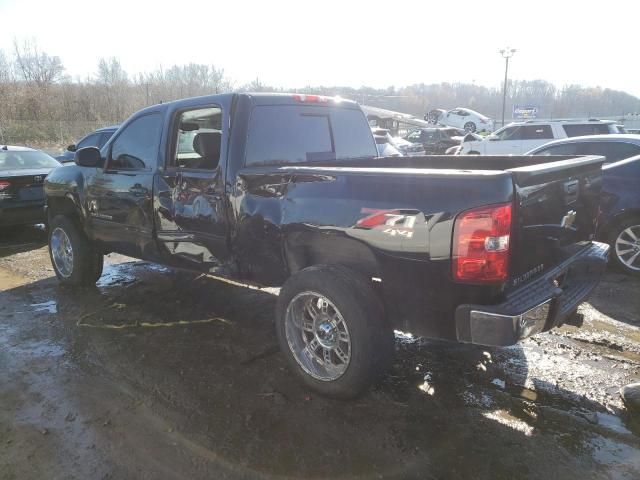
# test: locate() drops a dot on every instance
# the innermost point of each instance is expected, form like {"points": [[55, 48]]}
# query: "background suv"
{"points": [[520, 137]]}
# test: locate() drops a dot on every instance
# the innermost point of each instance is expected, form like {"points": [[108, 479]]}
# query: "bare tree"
{"points": [[111, 73], [37, 67]]}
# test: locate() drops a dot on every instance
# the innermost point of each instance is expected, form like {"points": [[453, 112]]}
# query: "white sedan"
{"points": [[466, 119]]}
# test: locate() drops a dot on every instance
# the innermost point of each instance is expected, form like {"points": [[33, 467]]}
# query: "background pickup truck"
{"points": [[286, 190]]}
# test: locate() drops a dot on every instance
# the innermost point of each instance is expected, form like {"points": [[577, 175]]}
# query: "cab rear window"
{"points": [[286, 134]]}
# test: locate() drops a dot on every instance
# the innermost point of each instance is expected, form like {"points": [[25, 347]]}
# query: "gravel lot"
{"points": [[162, 374]]}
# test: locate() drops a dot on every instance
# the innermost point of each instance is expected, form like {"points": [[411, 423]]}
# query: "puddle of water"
{"points": [[51, 307], [115, 275], [623, 458], [612, 423]]}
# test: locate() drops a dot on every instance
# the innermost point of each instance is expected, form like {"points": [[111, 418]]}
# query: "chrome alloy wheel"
{"points": [[62, 252], [318, 336], [628, 247]]}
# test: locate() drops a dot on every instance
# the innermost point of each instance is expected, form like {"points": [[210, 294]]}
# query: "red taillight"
{"points": [[311, 98], [4, 185], [481, 244]]}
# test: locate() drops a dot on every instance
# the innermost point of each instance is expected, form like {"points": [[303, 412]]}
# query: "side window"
{"points": [[536, 132], [429, 135], [136, 148], [414, 136], [510, 133], [92, 140], [198, 139], [565, 149], [577, 130], [104, 138], [612, 151]]}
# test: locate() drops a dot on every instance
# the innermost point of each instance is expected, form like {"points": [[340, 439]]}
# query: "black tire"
{"points": [[470, 127], [473, 152], [372, 340], [86, 266], [614, 235]]}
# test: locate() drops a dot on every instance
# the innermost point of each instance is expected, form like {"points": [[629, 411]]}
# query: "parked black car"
{"points": [[95, 139], [22, 174], [435, 141], [620, 213], [287, 190]]}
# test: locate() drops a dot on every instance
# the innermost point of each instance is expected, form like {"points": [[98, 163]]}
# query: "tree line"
{"points": [[38, 102]]}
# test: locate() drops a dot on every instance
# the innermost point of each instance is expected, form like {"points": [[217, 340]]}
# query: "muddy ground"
{"points": [[161, 374]]}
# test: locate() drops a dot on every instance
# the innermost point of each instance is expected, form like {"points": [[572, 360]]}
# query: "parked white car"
{"points": [[466, 119], [520, 137]]}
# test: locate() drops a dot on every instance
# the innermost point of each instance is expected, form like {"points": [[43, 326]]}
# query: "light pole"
{"points": [[506, 53]]}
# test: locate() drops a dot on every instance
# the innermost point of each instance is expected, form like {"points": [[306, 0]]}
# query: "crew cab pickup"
{"points": [[288, 191]]}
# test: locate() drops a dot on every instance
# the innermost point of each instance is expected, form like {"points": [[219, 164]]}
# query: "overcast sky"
{"points": [[297, 43]]}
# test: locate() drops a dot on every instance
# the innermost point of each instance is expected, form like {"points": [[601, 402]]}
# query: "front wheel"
{"points": [[331, 329], [75, 261], [470, 127], [625, 243]]}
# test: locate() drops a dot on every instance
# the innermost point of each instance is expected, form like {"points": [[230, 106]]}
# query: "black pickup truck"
{"points": [[287, 190]]}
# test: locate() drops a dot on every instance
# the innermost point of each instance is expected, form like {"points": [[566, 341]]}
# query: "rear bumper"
{"points": [[545, 303], [22, 215]]}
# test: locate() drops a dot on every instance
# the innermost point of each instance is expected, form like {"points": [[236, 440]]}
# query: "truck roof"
{"points": [[261, 98]]}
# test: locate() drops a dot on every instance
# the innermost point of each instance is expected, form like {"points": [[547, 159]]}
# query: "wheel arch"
{"points": [[616, 221], [63, 205], [305, 249]]}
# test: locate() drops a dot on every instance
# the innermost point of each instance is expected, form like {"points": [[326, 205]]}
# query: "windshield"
{"points": [[22, 160]]}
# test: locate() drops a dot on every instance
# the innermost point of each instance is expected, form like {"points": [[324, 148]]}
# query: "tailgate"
{"points": [[556, 211]]}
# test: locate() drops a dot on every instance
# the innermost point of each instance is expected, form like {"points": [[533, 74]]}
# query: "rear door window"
{"points": [[580, 129], [296, 134], [536, 132]]}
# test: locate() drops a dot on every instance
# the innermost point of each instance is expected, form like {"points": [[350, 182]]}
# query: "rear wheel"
{"points": [[75, 261], [470, 127], [625, 243], [331, 328]]}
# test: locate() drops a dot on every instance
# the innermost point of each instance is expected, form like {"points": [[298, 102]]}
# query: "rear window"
{"points": [[22, 160], [579, 130], [297, 134]]}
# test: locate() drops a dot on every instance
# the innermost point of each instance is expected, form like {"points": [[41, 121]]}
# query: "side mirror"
{"points": [[88, 157], [72, 147]]}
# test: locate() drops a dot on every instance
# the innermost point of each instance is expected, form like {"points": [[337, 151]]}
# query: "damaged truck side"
{"points": [[287, 190]]}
